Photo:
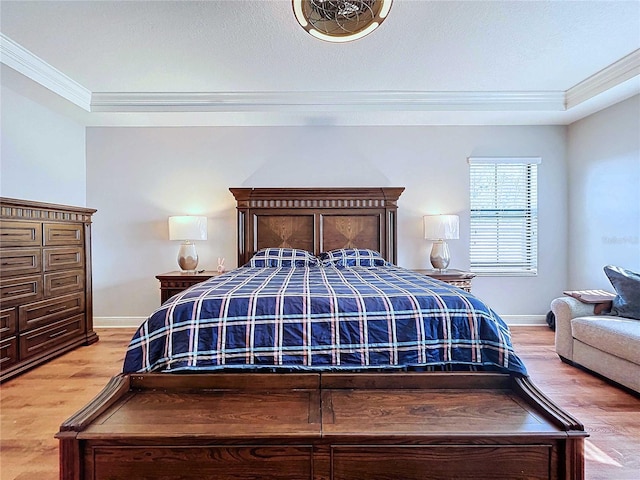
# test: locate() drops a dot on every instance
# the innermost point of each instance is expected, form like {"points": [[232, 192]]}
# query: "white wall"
{"points": [[42, 154], [604, 194], [137, 177]]}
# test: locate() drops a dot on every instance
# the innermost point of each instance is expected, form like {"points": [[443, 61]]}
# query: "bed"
{"points": [[319, 358]]}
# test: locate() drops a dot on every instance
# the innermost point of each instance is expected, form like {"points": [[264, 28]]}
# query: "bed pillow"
{"points": [[353, 257], [282, 257], [627, 286]]}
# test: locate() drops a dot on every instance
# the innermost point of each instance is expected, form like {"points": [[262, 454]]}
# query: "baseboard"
{"points": [[134, 322], [118, 322]]}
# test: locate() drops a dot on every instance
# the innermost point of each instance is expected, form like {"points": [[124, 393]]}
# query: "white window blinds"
{"points": [[504, 215]]}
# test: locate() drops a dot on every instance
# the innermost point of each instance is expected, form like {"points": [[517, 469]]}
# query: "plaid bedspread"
{"points": [[322, 318]]}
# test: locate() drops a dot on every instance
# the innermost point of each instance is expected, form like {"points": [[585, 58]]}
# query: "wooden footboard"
{"points": [[321, 427]]}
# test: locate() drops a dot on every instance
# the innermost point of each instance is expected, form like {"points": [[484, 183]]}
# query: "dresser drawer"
{"points": [[63, 258], [41, 313], [59, 283], [8, 322], [462, 284], [48, 338], [8, 352], [63, 234], [20, 261], [19, 290], [20, 234]]}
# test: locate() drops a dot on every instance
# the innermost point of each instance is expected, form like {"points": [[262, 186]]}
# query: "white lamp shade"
{"points": [[187, 227], [441, 227]]}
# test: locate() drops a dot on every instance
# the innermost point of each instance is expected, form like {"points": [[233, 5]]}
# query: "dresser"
{"points": [[45, 282]]}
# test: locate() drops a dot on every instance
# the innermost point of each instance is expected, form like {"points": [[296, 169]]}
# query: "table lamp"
{"points": [[440, 228], [187, 228]]}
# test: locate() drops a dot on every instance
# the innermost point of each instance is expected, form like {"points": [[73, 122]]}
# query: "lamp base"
{"points": [[440, 257], [188, 257]]}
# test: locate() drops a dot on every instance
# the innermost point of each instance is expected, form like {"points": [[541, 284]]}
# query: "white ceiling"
{"points": [[249, 62]]}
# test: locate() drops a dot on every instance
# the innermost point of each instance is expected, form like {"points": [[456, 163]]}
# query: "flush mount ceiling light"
{"points": [[340, 20]]}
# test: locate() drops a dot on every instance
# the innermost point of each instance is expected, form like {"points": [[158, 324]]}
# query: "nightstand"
{"points": [[457, 278], [175, 282]]}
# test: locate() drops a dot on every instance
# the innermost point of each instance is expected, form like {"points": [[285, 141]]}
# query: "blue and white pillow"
{"points": [[353, 257], [282, 257]]}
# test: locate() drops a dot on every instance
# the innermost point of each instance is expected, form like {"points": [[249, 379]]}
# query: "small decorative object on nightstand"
{"points": [[457, 278], [175, 282]]}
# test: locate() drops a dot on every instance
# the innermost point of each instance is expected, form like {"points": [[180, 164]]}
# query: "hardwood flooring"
{"points": [[33, 405], [609, 414]]}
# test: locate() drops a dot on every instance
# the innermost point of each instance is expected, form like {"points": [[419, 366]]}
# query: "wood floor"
{"points": [[33, 405]]}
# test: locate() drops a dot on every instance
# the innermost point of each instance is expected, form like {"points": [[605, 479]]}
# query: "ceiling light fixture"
{"points": [[340, 20]]}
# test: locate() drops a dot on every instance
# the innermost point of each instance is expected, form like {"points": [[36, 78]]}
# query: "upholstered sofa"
{"points": [[605, 344]]}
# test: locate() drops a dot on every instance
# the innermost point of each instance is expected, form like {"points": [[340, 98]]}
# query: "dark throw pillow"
{"points": [[627, 286]]}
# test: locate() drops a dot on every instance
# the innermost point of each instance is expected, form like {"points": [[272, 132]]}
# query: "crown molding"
{"points": [[616, 73], [31, 66], [356, 102], [326, 101]]}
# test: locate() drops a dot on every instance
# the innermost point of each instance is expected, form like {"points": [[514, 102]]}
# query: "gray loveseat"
{"points": [[607, 345]]}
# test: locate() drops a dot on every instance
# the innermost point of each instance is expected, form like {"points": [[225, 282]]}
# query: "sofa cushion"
{"points": [[615, 335], [627, 286]]}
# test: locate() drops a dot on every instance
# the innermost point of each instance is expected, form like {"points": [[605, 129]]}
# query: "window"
{"points": [[504, 215]]}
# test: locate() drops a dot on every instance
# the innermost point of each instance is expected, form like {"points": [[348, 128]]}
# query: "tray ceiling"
{"points": [[250, 61]]}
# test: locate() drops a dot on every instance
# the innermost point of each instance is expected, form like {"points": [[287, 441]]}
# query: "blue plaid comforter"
{"points": [[322, 318]]}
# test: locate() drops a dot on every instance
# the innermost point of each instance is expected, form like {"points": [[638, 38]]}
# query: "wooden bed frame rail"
{"points": [[321, 426]]}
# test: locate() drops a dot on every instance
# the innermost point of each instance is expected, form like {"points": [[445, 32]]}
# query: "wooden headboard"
{"points": [[317, 219]]}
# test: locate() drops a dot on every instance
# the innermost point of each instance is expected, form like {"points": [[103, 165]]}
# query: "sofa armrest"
{"points": [[565, 309]]}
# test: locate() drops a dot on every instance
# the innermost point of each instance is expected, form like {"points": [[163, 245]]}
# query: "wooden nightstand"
{"points": [[175, 282], [457, 278]]}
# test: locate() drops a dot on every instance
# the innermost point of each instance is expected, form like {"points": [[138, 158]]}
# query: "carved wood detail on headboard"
{"points": [[317, 219]]}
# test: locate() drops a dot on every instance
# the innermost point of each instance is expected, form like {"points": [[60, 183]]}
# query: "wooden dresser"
{"points": [[45, 282]]}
